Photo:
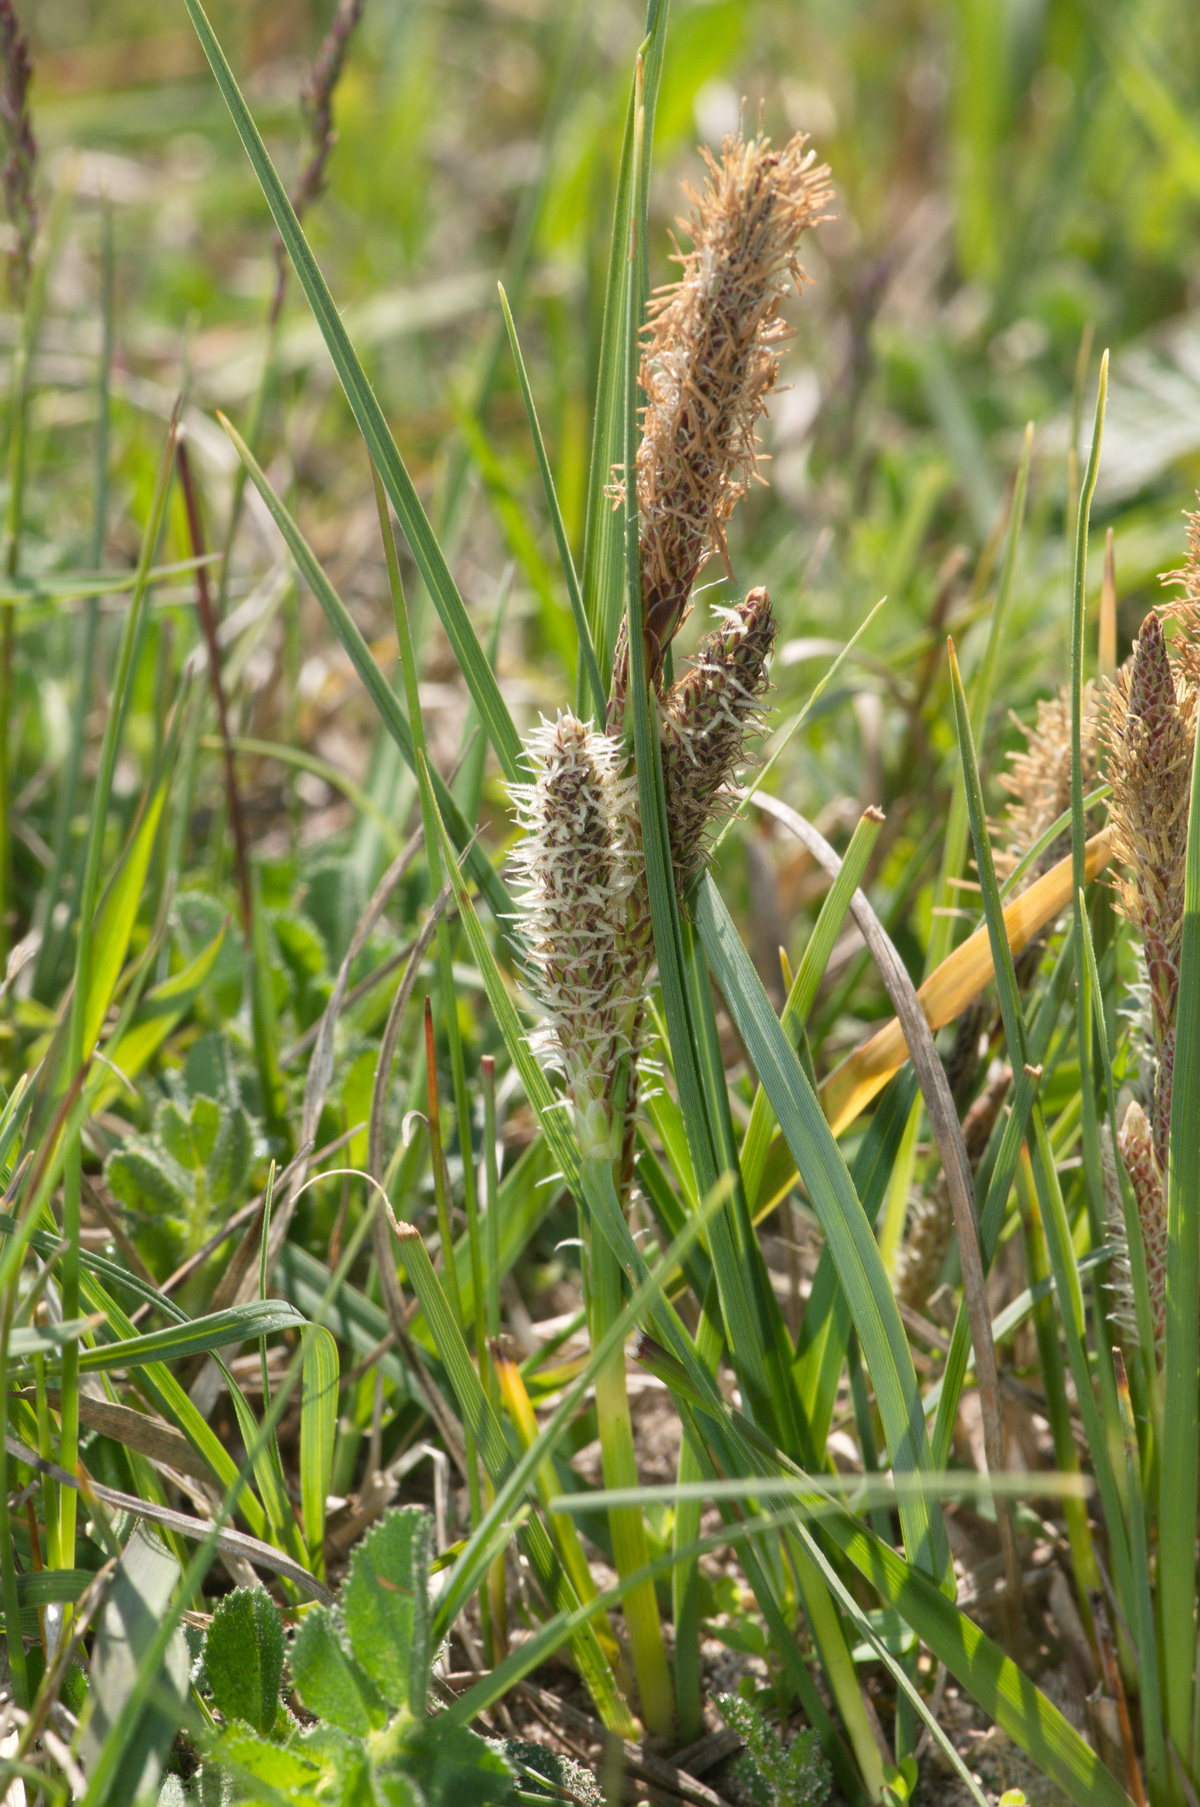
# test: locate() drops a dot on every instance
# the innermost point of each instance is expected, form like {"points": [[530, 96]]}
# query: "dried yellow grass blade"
{"points": [[950, 988]]}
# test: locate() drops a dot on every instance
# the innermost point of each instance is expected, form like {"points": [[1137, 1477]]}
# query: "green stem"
{"points": [[626, 1525]]}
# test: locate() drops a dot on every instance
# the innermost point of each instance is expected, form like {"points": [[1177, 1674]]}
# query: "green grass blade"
{"points": [[157, 1014], [1058, 1236], [591, 682], [430, 560], [61, 1536], [604, 555], [477, 1415], [377, 686], [847, 1232], [261, 1317], [804, 986], [941, 934]]}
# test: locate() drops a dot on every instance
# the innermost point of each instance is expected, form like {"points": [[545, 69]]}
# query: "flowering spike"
{"points": [[577, 863], [705, 720], [711, 358], [1136, 1141], [1150, 732]]}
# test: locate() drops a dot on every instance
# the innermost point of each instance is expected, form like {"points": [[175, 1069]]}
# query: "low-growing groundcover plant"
{"points": [[304, 1098], [361, 1670]]}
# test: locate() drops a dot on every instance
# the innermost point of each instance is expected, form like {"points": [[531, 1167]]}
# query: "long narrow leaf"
{"points": [[430, 560], [360, 656], [847, 1232]]}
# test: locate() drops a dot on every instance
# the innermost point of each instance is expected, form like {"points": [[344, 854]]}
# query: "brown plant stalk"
{"points": [[20, 150]]}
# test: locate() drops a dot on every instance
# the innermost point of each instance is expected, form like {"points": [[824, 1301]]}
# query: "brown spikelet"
{"points": [[1038, 779], [930, 1227], [1136, 1141], [1149, 733], [711, 357], [20, 149], [705, 720]]}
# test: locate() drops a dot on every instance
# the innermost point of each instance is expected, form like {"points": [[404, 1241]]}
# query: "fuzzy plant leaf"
{"points": [[243, 1657], [776, 1774], [385, 1603], [330, 1682], [189, 1170], [344, 1765], [265, 1771], [559, 1771], [453, 1767]]}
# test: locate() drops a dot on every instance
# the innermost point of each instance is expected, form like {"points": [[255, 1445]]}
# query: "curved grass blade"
{"points": [[261, 1317], [960, 977], [847, 1232], [604, 553], [590, 671], [430, 560], [377, 686]]}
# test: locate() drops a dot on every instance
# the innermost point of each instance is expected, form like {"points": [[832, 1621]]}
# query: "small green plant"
{"points": [[177, 1182], [775, 1773], [361, 1669]]}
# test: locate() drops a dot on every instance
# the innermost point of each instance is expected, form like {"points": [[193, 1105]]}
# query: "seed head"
{"points": [[578, 867], [1136, 1141], [1149, 733], [20, 147], [706, 718], [709, 362]]}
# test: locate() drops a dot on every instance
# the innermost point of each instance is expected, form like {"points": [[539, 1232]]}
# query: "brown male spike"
{"points": [[710, 359], [1150, 732]]}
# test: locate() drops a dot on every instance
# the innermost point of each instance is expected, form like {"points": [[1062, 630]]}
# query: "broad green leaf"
{"points": [[284, 1773], [328, 1679], [243, 1657], [453, 1767], [385, 1605]]}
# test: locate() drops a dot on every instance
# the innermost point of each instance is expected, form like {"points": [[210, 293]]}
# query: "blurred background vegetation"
{"points": [[1016, 182]]}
